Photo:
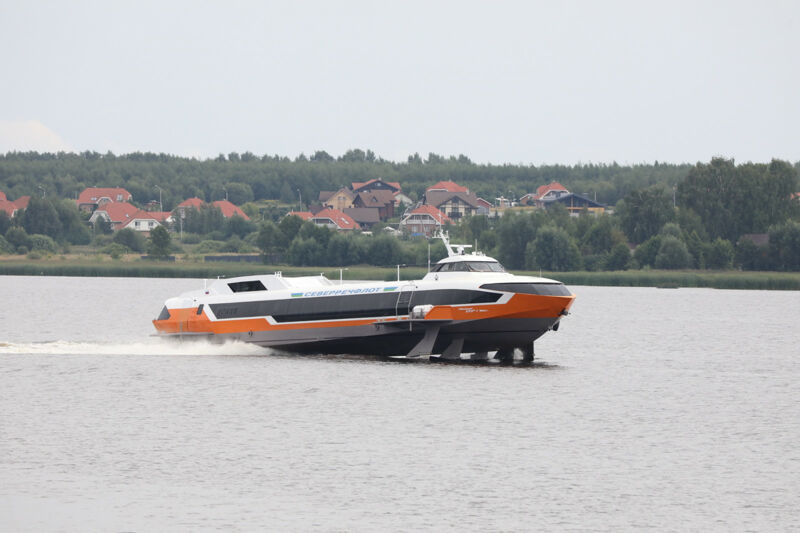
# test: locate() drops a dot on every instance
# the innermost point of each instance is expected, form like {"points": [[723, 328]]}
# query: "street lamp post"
{"points": [[160, 205]]}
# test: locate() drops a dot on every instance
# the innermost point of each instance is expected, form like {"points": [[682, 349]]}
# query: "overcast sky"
{"points": [[501, 82]]}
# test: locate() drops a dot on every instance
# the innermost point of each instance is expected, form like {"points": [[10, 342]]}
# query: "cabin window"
{"points": [[484, 266], [469, 266], [247, 286]]}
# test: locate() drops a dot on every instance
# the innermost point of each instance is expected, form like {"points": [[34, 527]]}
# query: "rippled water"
{"points": [[649, 409]]}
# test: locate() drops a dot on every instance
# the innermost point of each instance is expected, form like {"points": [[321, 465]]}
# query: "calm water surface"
{"points": [[669, 410]]}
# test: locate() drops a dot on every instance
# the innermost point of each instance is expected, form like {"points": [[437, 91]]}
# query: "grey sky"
{"points": [[502, 82]]}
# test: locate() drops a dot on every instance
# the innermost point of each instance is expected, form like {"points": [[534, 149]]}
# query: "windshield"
{"points": [[469, 266]]}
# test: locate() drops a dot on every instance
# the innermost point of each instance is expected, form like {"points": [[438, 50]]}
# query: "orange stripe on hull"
{"points": [[519, 306]]}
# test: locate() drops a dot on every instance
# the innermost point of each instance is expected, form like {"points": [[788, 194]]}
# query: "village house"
{"points": [[341, 199], [122, 215], [11, 208], [455, 205], [227, 208], [375, 185], [575, 204], [382, 200], [303, 215], [543, 194], [334, 219], [93, 197], [454, 200], [424, 220], [364, 217]]}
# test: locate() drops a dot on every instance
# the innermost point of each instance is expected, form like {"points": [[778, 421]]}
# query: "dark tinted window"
{"points": [[338, 307], [543, 289], [164, 314], [469, 266], [247, 286]]}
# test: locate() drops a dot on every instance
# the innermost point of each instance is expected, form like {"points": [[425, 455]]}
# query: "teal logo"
{"points": [[297, 294], [389, 289]]}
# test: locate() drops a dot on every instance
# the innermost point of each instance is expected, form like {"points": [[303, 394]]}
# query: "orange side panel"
{"points": [[519, 306]]}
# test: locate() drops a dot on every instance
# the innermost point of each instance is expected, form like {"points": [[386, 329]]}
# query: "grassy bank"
{"points": [[84, 266]]}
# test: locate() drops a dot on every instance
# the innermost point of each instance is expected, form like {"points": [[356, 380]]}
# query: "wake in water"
{"points": [[148, 347], [199, 347]]}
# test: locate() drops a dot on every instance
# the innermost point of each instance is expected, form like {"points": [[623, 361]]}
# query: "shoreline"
{"points": [[62, 266]]}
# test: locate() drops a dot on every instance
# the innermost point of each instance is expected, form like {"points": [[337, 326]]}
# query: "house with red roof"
{"points": [[544, 193], [304, 215], [117, 214], [93, 197], [11, 208], [146, 221], [227, 208], [447, 186], [334, 219], [424, 220], [453, 204]]}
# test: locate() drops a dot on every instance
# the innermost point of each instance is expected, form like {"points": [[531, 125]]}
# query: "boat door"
{"points": [[403, 305]]}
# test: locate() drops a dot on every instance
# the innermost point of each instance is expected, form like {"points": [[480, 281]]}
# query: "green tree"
{"points": [[672, 254], [43, 243], [75, 228], [19, 239], [238, 226], [305, 252], [290, 226], [645, 254], [5, 246], [719, 255], [239, 193], [41, 217], [385, 250], [270, 238], [732, 200], [130, 238], [5, 222], [514, 232], [749, 256], [619, 258], [784, 246], [553, 250], [644, 212], [159, 242], [102, 226]]}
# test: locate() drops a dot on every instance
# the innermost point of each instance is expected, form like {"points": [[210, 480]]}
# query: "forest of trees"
{"points": [[246, 177], [672, 216]]}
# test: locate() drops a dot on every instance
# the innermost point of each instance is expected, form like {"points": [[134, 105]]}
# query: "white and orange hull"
{"points": [[406, 318]]}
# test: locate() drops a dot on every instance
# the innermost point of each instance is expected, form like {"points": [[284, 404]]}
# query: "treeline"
{"points": [[247, 177], [714, 217]]}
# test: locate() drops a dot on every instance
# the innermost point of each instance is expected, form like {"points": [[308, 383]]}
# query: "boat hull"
{"points": [[514, 322]]}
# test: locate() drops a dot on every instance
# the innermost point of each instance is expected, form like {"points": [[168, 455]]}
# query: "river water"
{"points": [[668, 410]]}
